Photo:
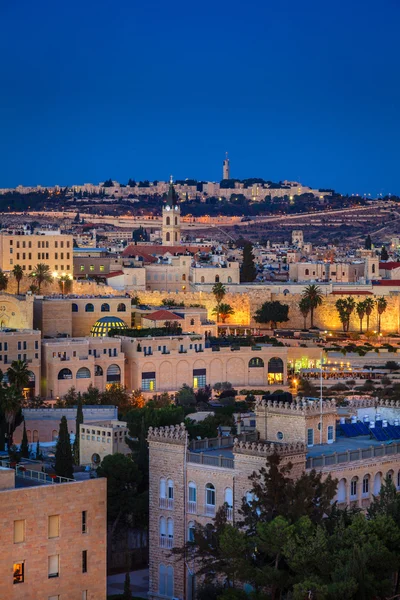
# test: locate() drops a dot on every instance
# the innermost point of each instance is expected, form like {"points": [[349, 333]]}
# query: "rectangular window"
{"points": [[54, 526], [310, 437], [19, 572], [366, 485], [19, 531], [54, 565], [330, 434], [353, 488], [36, 345], [148, 381], [199, 378], [24, 346], [54, 597], [84, 561], [19, 345], [82, 267], [84, 595]]}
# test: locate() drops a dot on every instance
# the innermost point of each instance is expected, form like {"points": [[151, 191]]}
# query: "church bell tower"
{"points": [[171, 218]]}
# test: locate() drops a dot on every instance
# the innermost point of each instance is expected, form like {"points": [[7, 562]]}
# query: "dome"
{"points": [[105, 324]]}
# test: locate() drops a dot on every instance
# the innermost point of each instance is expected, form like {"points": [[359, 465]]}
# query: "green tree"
{"points": [[18, 274], [248, 271], [19, 375], [24, 448], [345, 308], [272, 312], [41, 274], [384, 254], [65, 283], [360, 310], [304, 307], [313, 294], [185, 396], [223, 311], [3, 281], [116, 395], [368, 243], [369, 307], [78, 423], [381, 306], [10, 410], [64, 460], [219, 292]]}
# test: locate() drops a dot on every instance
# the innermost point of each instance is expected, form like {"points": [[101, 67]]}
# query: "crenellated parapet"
{"points": [[373, 402], [172, 434], [268, 448], [298, 406]]}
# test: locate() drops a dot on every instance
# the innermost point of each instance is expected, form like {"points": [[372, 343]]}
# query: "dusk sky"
{"points": [[307, 91]]}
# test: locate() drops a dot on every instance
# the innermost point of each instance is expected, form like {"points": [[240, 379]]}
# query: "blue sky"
{"points": [[306, 90]]}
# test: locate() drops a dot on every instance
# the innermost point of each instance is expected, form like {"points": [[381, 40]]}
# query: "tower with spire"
{"points": [[226, 171], [171, 218]]}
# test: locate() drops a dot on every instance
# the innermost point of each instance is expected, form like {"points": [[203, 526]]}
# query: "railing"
{"points": [[229, 513], [209, 510], [222, 441], [38, 476], [338, 458], [83, 358], [166, 542], [192, 507], [167, 503], [201, 458]]}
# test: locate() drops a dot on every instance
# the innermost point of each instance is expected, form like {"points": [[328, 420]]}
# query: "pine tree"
{"points": [[368, 243], [64, 461], [24, 449], [79, 421], [127, 595], [248, 271], [39, 455]]}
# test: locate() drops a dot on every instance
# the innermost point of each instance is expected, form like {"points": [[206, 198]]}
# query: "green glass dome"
{"points": [[103, 326]]}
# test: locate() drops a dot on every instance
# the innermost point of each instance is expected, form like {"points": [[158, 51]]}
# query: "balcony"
{"points": [[229, 513], [192, 507], [166, 542], [209, 510], [167, 503]]}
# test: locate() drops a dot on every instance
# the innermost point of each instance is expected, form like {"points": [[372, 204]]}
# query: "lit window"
{"points": [[19, 572]]}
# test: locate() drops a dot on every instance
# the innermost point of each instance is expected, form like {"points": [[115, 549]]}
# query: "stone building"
{"points": [[24, 345], [171, 219], [100, 438], [54, 538], [16, 312], [49, 247], [189, 482]]}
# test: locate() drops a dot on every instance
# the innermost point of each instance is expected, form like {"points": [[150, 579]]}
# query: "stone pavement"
{"points": [[139, 583]]}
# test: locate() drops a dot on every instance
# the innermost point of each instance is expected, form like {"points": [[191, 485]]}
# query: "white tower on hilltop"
{"points": [[226, 171], [171, 218]]}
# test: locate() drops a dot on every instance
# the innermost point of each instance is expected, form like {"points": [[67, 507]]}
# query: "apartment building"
{"points": [[166, 363], [27, 250], [337, 272], [54, 538], [23, 344], [98, 439], [79, 363], [189, 482]]}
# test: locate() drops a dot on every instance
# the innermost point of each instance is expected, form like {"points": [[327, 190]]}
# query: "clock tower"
{"points": [[171, 218]]}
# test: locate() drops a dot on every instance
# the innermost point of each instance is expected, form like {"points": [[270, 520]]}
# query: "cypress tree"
{"points": [[384, 254], [24, 449], [64, 462], [39, 455], [127, 595], [248, 271], [79, 421]]}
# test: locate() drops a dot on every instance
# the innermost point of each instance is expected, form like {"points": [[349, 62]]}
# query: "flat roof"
{"points": [[344, 444]]}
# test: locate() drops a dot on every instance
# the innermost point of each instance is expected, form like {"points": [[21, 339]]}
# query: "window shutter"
{"points": [[54, 526], [53, 565], [19, 531]]}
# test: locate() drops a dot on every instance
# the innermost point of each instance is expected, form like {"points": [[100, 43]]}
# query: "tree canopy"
{"points": [[272, 312]]}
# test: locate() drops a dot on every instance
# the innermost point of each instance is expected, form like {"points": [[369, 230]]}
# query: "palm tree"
{"points": [[3, 281], [223, 311], [41, 274], [350, 306], [369, 307], [19, 375], [360, 310], [18, 274], [304, 307], [219, 292], [10, 408], [381, 306], [313, 295], [65, 283]]}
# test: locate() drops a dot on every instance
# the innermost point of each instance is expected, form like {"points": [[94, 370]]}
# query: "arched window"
{"points": [[74, 307], [307, 272], [341, 493], [373, 269], [377, 483], [54, 435], [176, 220], [98, 371], [184, 277], [191, 530], [170, 532], [229, 279], [170, 489], [114, 374], [65, 374], [286, 292], [202, 279], [353, 488], [167, 236], [192, 498], [166, 581], [168, 221], [365, 485], [163, 532], [29, 435], [35, 436], [163, 488], [210, 500], [121, 307], [105, 307], [89, 307], [390, 475], [275, 371], [228, 500], [192, 321], [217, 279], [256, 362], [176, 236], [83, 373]]}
